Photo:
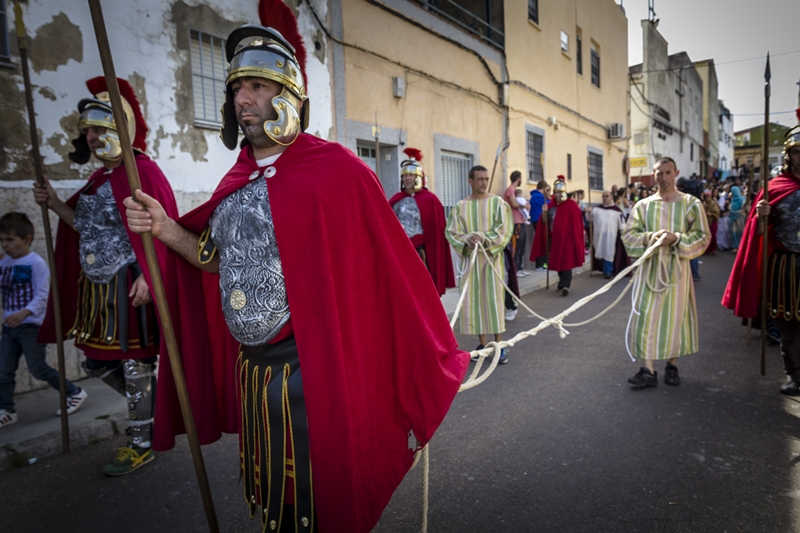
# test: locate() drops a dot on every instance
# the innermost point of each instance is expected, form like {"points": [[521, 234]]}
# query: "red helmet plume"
{"points": [[413, 153], [276, 14], [98, 85]]}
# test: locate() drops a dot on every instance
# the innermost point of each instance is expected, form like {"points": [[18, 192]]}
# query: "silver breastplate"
{"points": [[787, 222], [407, 212], [103, 243], [251, 281]]}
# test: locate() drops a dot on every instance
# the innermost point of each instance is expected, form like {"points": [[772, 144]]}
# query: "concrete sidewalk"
{"points": [[104, 414]]}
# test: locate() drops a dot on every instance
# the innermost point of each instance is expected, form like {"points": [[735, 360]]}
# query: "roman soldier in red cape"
{"points": [[422, 216], [105, 283], [565, 224], [743, 293], [321, 356]]}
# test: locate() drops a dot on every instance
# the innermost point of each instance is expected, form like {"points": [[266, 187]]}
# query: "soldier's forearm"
{"points": [[184, 243]]}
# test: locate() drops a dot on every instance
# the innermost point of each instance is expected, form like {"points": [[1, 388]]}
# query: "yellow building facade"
{"points": [[541, 83]]}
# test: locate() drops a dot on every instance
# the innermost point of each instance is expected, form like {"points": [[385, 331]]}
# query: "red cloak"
{"points": [[437, 249], [566, 237], [743, 293], [369, 377], [68, 268]]}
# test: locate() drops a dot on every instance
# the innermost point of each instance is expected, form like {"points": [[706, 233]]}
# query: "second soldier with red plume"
{"points": [[105, 300], [422, 216]]}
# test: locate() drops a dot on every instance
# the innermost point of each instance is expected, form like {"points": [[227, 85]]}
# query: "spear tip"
{"points": [[767, 71], [18, 22]]}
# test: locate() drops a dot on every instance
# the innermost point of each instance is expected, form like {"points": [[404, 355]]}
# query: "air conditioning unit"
{"points": [[616, 131]]}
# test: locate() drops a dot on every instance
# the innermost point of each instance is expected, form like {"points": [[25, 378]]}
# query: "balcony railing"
{"points": [[467, 20]]}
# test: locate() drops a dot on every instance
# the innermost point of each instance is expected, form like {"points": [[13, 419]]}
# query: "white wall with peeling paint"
{"points": [[143, 43]]}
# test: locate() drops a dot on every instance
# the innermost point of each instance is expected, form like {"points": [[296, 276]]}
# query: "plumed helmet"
{"points": [[560, 185], [97, 112], [413, 165], [274, 50], [791, 140]]}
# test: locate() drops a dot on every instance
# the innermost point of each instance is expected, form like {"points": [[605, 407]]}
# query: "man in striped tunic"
{"points": [[485, 219], [665, 325]]}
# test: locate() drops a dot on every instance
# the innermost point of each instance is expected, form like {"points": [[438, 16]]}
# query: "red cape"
{"points": [[68, 268], [743, 293], [566, 237], [437, 249], [370, 377]]}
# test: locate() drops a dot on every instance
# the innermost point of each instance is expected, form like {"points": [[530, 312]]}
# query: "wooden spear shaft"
{"points": [[152, 264], [22, 41], [764, 236]]}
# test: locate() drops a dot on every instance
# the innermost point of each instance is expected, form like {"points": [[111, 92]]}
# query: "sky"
{"points": [[729, 31]]}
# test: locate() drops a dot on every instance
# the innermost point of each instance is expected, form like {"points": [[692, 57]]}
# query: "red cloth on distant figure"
{"points": [[376, 350], [68, 267], [437, 249], [712, 246], [743, 292], [566, 237]]}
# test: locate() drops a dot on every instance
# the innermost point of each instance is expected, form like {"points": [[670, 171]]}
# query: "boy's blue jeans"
{"points": [[608, 267], [14, 343]]}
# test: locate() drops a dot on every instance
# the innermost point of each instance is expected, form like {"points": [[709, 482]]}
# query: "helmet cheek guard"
{"points": [[111, 149]]}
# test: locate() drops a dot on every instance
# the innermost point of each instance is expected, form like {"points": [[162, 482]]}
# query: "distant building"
{"points": [[710, 154], [667, 108], [726, 140], [749, 144]]}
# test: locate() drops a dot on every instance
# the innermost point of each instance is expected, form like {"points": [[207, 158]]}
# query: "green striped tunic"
{"points": [[483, 311], [666, 325]]}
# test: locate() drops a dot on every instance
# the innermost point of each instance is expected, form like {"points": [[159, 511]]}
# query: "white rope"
{"points": [[494, 348]]}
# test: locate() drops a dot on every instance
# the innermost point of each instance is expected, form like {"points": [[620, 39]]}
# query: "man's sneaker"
{"points": [[539, 269], [503, 357], [644, 378], [6, 418], [511, 314], [129, 459], [476, 357], [74, 402], [790, 388], [564, 291], [521, 274], [671, 376]]}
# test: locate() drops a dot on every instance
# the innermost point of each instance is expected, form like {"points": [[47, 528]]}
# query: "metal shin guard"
{"points": [[140, 388], [113, 377], [274, 419]]}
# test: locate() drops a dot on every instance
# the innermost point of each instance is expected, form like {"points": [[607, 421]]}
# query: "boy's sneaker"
{"points": [[539, 269], [6, 418], [521, 273], [503, 357], [644, 378], [129, 459], [476, 357], [74, 402], [511, 314], [671, 376]]}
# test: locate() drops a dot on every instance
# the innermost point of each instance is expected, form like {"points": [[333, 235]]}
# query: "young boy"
{"points": [[25, 282]]}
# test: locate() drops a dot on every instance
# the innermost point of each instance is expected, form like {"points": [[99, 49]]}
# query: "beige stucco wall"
{"points": [[581, 111], [448, 90]]}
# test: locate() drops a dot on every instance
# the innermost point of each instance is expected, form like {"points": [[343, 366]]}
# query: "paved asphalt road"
{"points": [[555, 441]]}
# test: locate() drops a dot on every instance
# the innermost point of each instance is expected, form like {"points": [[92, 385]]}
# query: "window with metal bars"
{"points": [[579, 53], [534, 154], [569, 167], [595, 171], [5, 50], [595, 67], [208, 76], [454, 179], [533, 11]]}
